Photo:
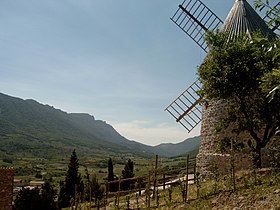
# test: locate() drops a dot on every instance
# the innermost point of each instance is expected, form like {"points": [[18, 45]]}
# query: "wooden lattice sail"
{"points": [[275, 26], [186, 108], [195, 18]]}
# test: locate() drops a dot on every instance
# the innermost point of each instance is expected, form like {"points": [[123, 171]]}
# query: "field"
{"points": [[39, 169]]}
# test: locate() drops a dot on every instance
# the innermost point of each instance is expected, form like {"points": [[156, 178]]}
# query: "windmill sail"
{"points": [[273, 12], [195, 18], [186, 108]]}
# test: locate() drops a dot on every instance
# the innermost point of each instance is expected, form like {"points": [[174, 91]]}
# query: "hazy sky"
{"points": [[122, 61]]}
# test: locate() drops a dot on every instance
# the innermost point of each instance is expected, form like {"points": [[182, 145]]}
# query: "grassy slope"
{"points": [[254, 194], [258, 194]]}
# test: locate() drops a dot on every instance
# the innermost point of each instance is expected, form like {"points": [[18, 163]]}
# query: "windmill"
{"points": [[194, 18]]}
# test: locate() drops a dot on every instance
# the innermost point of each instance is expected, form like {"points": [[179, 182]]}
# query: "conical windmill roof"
{"points": [[244, 19]]}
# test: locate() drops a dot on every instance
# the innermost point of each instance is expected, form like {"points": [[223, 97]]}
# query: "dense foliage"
{"points": [[33, 199], [28, 200], [245, 73], [128, 172], [93, 189], [97, 192]]}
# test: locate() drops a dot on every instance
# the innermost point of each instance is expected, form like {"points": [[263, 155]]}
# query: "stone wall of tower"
{"points": [[209, 160], [6, 188]]}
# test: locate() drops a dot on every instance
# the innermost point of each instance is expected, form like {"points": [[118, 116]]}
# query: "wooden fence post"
{"points": [[155, 178], [149, 197], [89, 197], [232, 164], [119, 192], [163, 181], [137, 201], [187, 178], [157, 199], [128, 201], [139, 186], [107, 189], [170, 193], [194, 173], [197, 184]]}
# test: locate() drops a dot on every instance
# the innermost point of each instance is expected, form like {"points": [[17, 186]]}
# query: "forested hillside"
{"points": [[33, 129]]}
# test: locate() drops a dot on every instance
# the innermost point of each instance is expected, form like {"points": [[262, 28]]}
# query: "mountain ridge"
{"points": [[31, 128]]}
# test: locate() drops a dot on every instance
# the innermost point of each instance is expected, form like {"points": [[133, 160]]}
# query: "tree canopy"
{"points": [[245, 73], [127, 172], [33, 199]]}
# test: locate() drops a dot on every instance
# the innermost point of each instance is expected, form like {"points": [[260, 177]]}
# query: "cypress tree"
{"points": [[74, 186], [128, 173], [110, 170], [112, 187], [128, 170]]}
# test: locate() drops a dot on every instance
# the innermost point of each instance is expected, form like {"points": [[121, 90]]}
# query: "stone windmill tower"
{"points": [[195, 18]]}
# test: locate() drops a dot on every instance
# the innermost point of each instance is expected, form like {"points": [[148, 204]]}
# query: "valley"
{"points": [[37, 140]]}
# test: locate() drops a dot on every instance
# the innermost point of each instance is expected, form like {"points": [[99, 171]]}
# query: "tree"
{"points": [[87, 186], [128, 170], [32, 199], [97, 192], [73, 187], [93, 188], [241, 73], [111, 177], [28, 199], [63, 198], [110, 170], [271, 84], [128, 173], [48, 195]]}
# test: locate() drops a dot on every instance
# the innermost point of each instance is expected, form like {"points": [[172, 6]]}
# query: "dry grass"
{"points": [[253, 192]]}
